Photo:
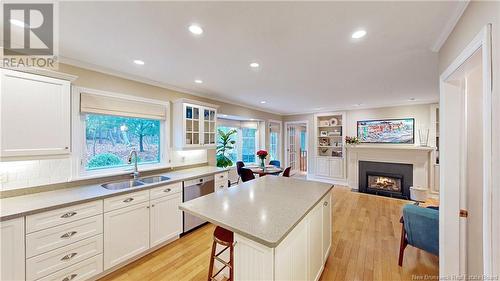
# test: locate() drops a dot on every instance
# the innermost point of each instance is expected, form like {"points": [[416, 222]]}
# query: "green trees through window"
{"points": [[109, 140]]}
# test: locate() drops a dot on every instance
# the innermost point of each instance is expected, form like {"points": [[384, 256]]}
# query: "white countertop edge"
{"points": [[270, 244], [102, 193]]}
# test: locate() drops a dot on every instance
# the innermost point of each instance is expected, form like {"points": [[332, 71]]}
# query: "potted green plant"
{"points": [[224, 145]]}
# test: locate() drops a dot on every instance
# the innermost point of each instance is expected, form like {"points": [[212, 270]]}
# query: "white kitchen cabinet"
{"points": [[126, 233], [165, 219], [336, 166], [292, 254], [221, 181], [195, 125], [35, 111], [322, 166], [12, 258], [315, 238], [327, 225]]}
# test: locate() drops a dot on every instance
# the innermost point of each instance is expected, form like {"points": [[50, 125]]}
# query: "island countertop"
{"points": [[264, 210]]}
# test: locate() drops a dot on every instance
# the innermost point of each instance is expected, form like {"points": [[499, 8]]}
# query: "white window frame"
{"points": [[239, 140], [280, 138], [78, 137]]}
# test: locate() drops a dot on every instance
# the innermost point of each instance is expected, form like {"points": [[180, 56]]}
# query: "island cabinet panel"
{"points": [[315, 240], [12, 265], [292, 255], [126, 233], [327, 225], [252, 261]]}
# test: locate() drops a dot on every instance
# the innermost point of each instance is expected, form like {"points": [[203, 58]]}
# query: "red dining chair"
{"points": [[286, 172]]}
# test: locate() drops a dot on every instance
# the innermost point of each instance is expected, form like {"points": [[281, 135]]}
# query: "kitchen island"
{"points": [[282, 226]]}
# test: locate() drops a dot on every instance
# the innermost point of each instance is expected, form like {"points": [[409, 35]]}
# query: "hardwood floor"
{"points": [[366, 233]]}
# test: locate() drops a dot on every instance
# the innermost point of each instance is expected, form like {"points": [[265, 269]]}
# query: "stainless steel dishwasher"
{"points": [[193, 189]]}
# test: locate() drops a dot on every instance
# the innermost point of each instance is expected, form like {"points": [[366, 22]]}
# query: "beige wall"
{"points": [[420, 112], [477, 15]]}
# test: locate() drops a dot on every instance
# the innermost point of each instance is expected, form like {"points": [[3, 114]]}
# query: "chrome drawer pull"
{"points": [[68, 257], [167, 190], [68, 234], [128, 200], [68, 215], [69, 278]]}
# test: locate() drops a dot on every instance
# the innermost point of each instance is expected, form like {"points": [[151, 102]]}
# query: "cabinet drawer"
{"points": [[165, 190], [64, 215], [220, 185], [49, 239], [81, 271], [45, 264], [221, 176], [125, 200]]}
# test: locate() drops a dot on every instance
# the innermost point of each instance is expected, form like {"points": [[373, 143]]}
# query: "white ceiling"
{"points": [[308, 60]]}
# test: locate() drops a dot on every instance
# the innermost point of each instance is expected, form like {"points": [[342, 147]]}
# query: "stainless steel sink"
{"points": [[122, 184], [154, 179]]}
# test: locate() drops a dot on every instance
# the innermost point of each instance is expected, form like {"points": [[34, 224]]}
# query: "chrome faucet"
{"points": [[136, 172]]}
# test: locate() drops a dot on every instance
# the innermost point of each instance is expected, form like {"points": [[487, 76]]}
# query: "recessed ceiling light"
{"points": [[198, 81], [358, 34], [195, 29], [263, 101], [139, 62], [17, 23], [254, 65], [251, 119]]}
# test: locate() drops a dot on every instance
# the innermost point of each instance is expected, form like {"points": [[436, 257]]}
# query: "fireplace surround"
{"points": [[386, 179]]}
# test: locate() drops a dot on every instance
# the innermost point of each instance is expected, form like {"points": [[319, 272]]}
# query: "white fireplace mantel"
{"points": [[418, 156]]}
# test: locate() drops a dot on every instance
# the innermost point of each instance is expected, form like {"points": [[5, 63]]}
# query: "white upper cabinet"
{"points": [[195, 125], [34, 114]]}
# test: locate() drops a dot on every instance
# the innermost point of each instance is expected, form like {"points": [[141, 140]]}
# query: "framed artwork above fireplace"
{"points": [[400, 131]]}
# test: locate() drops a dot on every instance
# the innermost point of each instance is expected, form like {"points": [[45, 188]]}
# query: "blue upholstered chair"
{"points": [[275, 163], [420, 229]]}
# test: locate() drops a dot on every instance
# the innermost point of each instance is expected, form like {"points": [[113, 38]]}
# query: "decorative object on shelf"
{"points": [[423, 136], [324, 123], [323, 133], [224, 145], [324, 150], [262, 154], [324, 142], [387, 131], [336, 153], [334, 134], [334, 121], [351, 140]]}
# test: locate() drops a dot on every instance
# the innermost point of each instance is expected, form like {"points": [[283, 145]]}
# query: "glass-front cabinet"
{"points": [[194, 125]]}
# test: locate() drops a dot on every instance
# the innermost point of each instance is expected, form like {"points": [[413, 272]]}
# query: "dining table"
{"points": [[268, 170]]}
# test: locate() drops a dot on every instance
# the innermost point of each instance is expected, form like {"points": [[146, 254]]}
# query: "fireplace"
{"points": [[387, 179]]}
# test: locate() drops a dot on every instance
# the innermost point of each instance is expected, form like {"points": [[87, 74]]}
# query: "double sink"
{"points": [[134, 182]]}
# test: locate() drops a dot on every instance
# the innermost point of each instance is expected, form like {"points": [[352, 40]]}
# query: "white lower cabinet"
{"points": [[322, 167], [165, 218], [126, 233], [315, 238], [330, 167], [84, 270], [12, 262], [300, 256], [326, 204]]}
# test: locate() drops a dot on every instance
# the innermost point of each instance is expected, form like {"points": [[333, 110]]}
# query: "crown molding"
{"points": [[450, 25], [123, 75]]}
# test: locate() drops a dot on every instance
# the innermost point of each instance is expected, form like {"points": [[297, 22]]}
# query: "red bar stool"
{"points": [[225, 238]]}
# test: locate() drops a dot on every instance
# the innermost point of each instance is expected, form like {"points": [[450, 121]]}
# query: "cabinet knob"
{"points": [[325, 203]]}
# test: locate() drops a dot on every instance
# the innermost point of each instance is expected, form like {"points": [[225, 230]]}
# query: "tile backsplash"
{"points": [[20, 174]]}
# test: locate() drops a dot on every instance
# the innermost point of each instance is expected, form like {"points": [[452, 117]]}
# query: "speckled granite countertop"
{"points": [[264, 210], [19, 206]]}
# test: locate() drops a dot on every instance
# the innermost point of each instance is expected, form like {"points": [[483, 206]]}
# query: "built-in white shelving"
{"points": [[330, 145]]}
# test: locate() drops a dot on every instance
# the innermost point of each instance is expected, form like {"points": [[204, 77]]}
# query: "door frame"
{"points": [[449, 221], [285, 131]]}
